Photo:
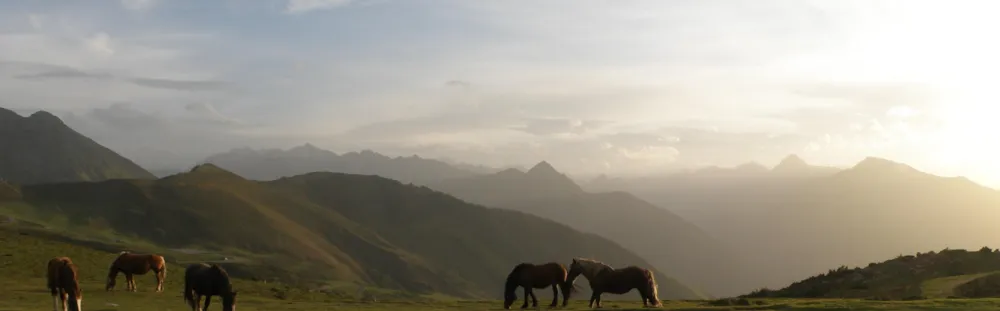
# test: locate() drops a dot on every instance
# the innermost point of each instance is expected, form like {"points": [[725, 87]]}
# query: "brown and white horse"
{"points": [[532, 276], [605, 279], [137, 264], [62, 281]]}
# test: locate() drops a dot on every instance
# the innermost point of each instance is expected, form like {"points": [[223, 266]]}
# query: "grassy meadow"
{"points": [[23, 256]]}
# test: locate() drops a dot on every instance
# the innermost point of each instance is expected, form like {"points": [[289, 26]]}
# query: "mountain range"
{"points": [[324, 226], [270, 164], [796, 220], [669, 242], [41, 148]]}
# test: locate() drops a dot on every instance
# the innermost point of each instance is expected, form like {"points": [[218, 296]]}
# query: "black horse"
{"points": [[202, 279]]}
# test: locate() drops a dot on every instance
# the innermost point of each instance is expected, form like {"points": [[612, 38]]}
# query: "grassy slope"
{"points": [[320, 227], [22, 260], [927, 275]]}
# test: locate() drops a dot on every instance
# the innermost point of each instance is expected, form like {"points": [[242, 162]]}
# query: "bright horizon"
{"points": [[592, 87]]}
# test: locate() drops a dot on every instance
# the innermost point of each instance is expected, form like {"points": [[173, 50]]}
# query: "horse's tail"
{"points": [[188, 287], [651, 282]]}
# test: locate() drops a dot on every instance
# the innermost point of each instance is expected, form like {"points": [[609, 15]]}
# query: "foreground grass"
{"points": [[22, 287]]}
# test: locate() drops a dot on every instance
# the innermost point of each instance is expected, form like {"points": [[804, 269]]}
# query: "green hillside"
{"points": [[316, 229], [42, 149], [949, 273]]}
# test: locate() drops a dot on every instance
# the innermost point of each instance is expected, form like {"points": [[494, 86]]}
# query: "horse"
{"points": [[530, 276], [63, 281], [136, 264], [605, 279], [202, 279]]}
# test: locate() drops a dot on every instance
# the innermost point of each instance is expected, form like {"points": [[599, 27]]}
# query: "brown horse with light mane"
{"points": [[137, 264], [605, 279], [531, 276], [62, 280]]}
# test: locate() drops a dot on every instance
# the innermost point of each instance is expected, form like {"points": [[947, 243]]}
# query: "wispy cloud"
{"points": [[303, 6]]}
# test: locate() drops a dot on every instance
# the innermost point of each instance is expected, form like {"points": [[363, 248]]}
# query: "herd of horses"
{"points": [[602, 278], [200, 279]]}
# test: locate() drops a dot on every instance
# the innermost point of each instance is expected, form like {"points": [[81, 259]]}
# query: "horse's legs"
{"points": [[63, 296], [208, 300], [555, 295], [593, 297], [599, 300], [55, 298], [526, 291], [534, 300], [644, 296], [128, 282], [159, 281]]}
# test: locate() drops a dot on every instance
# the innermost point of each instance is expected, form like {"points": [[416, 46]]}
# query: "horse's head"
{"points": [[508, 299], [587, 267], [229, 301]]}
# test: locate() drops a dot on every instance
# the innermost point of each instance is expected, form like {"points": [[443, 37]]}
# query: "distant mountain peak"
{"points": [[543, 169], [880, 165], [7, 114], [206, 168], [791, 163]]}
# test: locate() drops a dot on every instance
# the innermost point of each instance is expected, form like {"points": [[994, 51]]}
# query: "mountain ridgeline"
{"points": [[41, 149], [270, 164], [669, 242], [326, 226]]}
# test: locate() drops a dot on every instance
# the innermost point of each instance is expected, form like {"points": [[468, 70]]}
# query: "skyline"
{"points": [[625, 89]]}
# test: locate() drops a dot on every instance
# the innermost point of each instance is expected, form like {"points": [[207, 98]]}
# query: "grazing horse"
{"points": [[62, 281], [202, 279], [530, 276], [136, 264], [605, 279]]}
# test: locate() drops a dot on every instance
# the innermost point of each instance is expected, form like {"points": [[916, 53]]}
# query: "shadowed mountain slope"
{"points": [[669, 242], [324, 226], [42, 149]]}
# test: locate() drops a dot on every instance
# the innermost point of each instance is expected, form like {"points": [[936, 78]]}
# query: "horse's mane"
{"points": [[593, 262]]}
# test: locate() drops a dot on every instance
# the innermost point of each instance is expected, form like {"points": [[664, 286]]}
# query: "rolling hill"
{"points": [[42, 149], [944, 274], [669, 242], [320, 227], [270, 164]]}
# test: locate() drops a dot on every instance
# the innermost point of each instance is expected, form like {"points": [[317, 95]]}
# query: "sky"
{"points": [[612, 87]]}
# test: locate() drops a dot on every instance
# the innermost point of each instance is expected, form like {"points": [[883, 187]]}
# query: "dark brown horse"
{"points": [[531, 276], [136, 264], [605, 279], [202, 279], [63, 281]]}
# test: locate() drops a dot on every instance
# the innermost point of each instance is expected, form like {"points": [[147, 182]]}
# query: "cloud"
{"points": [[139, 5], [303, 6], [179, 85], [553, 126], [66, 73], [208, 112]]}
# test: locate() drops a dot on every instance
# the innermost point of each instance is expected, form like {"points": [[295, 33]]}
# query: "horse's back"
{"points": [[60, 270]]}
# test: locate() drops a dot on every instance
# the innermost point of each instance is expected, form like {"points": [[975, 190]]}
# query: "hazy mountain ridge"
{"points": [[270, 164], [40, 149], [669, 242], [359, 228], [790, 228]]}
